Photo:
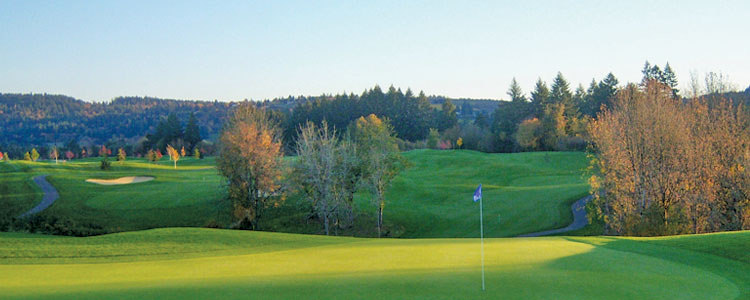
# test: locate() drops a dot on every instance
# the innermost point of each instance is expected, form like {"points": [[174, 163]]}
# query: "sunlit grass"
{"points": [[189, 263]]}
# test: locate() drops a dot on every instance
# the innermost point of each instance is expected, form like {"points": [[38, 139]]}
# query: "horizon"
{"points": [[233, 51]]}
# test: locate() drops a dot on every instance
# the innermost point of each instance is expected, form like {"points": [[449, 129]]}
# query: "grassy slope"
{"points": [[523, 192], [234, 264], [18, 193]]}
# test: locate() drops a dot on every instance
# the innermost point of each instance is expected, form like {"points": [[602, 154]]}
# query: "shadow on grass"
{"points": [[736, 272]]}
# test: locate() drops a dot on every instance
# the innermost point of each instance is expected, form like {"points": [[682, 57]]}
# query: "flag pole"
{"points": [[481, 237]]}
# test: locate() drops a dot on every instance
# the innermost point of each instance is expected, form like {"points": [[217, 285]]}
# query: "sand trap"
{"points": [[121, 180]]}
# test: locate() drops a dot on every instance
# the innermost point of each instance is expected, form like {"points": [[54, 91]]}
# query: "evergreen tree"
{"points": [[540, 97], [670, 79], [515, 92], [482, 121], [560, 93], [448, 116], [192, 132]]}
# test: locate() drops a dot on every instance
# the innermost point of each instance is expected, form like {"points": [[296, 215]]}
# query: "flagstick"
{"points": [[481, 237]]}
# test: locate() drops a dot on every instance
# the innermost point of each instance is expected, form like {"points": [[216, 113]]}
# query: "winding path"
{"points": [[579, 219], [50, 195]]}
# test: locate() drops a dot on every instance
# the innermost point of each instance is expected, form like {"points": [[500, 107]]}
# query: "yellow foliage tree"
{"points": [[173, 155]]}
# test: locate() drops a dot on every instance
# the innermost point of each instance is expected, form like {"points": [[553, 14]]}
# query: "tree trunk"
{"points": [[380, 216]]}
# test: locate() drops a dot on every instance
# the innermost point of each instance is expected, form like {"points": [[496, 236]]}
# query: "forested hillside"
{"points": [[38, 119], [43, 119]]}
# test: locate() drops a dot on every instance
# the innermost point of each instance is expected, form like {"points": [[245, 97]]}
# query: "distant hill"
{"points": [[44, 119]]}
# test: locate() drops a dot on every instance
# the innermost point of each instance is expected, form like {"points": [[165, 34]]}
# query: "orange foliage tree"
{"points": [[250, 159], [664, 166]]}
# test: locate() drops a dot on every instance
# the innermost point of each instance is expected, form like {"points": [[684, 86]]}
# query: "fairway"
{"points": [[523, 192], [177, 263], [191, 195]]}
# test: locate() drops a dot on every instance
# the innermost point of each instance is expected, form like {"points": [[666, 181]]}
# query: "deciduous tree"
{"points": [[325, 170], [379, 157], [250, 159], [53, 154], [174, 155], [34, 154]]}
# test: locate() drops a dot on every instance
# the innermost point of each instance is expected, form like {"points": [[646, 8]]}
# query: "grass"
{"points": [[523, 192], [191, 195], [179, 263]]}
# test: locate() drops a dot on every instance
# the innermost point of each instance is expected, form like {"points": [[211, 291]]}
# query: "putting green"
{"points": [[203, 263]]}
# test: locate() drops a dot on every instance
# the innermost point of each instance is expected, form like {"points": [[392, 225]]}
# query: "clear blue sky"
{"points": [[225, 50]]}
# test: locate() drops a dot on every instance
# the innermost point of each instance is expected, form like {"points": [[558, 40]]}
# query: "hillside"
{"points": [[41, 119]]}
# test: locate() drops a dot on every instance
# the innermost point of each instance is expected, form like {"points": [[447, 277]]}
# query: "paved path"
{"points": [[50, 195], [579, 219]]}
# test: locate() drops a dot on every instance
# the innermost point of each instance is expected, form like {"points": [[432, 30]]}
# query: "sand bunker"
{"points": [[121, 180]]}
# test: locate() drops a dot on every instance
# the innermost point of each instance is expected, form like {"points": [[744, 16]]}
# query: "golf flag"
{"points": [[478, 193], [478, 197]]}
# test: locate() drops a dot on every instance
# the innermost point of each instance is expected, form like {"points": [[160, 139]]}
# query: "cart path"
{"points": [[579, 219], [50, 195]]}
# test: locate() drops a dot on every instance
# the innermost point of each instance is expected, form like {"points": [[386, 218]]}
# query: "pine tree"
{"points": [[448, 116], [560, 93], [540, 97], [192, 132], [515, 92], [670, 79]]}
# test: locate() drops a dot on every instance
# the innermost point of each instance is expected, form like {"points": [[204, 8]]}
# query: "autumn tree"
{"points": [[379, 158], [34, 154], [69, 155], [182, 151], [529, 133], [54, 154], [2, 156], [151, 156], [325, 170], [27, 156], [196, 153], [121, 155], [668, 167], [174, 155], [250, 159]]}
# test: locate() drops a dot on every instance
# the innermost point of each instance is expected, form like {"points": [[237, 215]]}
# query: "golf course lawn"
{"points": [[191, 195], [523, 192], [179, 263]]}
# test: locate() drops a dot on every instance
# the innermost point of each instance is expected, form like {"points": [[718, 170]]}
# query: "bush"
{"points": [[105, 165], [47, 224]]}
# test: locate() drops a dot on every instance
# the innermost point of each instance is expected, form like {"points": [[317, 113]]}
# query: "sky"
{"points": [[234, 50]]}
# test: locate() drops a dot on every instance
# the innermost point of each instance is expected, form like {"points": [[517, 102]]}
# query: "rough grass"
{"points": [[179, 263]]}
